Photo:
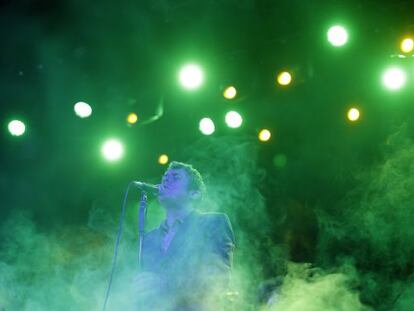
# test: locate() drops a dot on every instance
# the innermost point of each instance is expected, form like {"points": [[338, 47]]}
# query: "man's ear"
{"points": [[195, 195]]}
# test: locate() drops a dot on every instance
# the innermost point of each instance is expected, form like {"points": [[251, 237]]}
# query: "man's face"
{"points": [[174, 186]]}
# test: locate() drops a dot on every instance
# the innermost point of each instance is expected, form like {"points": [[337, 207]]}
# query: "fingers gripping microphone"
{"points": [[148, 188]]}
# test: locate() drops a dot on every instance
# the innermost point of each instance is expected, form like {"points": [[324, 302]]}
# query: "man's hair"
{"points": [[195, 179]]}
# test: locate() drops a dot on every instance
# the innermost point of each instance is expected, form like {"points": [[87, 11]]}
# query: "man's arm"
{"points": [[217, 261], [221, 238]]}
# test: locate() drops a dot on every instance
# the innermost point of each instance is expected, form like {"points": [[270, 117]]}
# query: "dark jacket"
{"points": [[197, 264]]}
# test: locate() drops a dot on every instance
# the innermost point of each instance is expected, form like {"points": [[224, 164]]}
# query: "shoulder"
{"points": [[213, 219], [216, 226]]}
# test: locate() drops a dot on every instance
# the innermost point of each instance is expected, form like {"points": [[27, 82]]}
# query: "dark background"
{"points": [[124, 56]]}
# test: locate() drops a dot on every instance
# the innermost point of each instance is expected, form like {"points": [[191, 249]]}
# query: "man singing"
{"points": [[186, 261]]}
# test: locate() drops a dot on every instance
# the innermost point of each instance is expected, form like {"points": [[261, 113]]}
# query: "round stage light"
{"points": [[206, 126], [112, 150], [82, 109], [132, 118], [353, 114], [163, 159], [394, 78], [16, 127], [191, 76], [337, 35], [230, 92], [284, 78], [233, 119], [407, 45], [264, 135]]}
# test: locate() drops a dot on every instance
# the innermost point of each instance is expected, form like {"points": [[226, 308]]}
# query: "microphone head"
{"points": [[148, 188]]}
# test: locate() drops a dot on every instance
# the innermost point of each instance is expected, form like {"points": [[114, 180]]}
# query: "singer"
{"points": [[187, 259]]}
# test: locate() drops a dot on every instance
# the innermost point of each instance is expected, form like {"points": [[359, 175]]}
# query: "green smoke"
{"points": [[311, 289], [67, 269], [232, 176], [363, 258], [373, 226]]}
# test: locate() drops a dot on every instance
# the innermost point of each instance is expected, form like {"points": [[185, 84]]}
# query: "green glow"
{"points": [[112, 150], [206, 126], [337, 35], [233, 119], [191, 76], [16, 128], [82, 109], [394, 78]]}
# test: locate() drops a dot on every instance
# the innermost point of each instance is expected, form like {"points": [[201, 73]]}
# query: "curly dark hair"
{"points": [[196, 180]]}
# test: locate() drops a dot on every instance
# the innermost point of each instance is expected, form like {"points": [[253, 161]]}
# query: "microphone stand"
{"points": [[141, 224], [141, 227]]}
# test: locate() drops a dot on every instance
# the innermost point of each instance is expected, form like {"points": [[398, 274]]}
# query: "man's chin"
{"points": [[168, 201]]}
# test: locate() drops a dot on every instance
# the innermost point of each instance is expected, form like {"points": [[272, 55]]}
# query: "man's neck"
{"points": [[178, 213]]}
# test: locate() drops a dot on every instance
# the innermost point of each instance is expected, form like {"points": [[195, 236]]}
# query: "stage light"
{"points": [[280, 160], [132, 118], [284, 78], [191, 76], [394, 78], [206, 126], [353, 114], [230, 92], [337, 35], [233, 119], [16, 128], [163, 159], [264, 135], [112, 150], [407, 45], [82, 109]]}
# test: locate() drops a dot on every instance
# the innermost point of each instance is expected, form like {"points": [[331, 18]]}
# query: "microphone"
{"points": [[148, 188]]}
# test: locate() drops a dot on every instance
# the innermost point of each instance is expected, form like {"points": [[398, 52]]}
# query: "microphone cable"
{"points": [[118, 239]]}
